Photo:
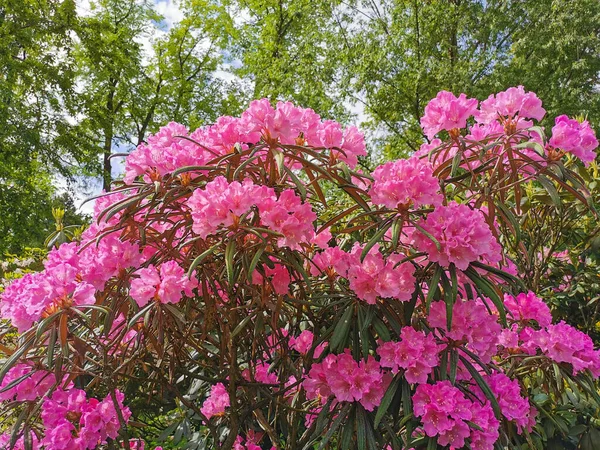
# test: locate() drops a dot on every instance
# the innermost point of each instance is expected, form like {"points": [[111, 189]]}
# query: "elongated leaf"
{"points": [[433, 286], [485, 388], [551, 189], [299, 184], [12, 360], [375, 239], [386, 401], [488, 290], [334, 426], [448, 300], [229, 254], [254, 262], [381, 329], [428, 235], [361, 428], [240, 326], [201, 258], [342, 329]]}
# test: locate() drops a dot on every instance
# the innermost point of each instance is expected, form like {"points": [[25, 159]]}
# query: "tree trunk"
{"points": [[106, 152]]}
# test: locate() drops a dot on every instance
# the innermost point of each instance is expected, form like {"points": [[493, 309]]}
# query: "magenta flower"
{"points": [[510, 104], [447, 112], [472, 323], [166, 284], [216, 402], [574, 137], [527, 306], [463, 236], [405, 182], [417, 353]]}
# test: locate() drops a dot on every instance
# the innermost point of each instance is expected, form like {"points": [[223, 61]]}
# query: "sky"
{"points": [[172, 14]]}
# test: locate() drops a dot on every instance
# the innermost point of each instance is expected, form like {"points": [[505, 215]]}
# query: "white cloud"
{"points": [[170, 10]]}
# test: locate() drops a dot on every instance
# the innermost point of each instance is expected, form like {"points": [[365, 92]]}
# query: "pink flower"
{"points": [[417, 353], [512, 404], [574, 137], [290, 217], [166, 284], [526, 307], [443, 409], [353, 145], [514, 102], [471, 322], [403, 183], [32, 387], [375, 277], [278, 275], [74, 422], [221, 203], [577, 349], [347, 379], [462, 234], [217, 401], [447, 112], [303, 342]]}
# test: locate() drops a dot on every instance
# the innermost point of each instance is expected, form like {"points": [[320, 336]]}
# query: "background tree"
{"points": [[36, 80], [285, 51]]}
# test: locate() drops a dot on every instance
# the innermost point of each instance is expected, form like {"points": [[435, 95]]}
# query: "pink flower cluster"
{"points": [[20, 444], [32, 387], [221, 204], [463, 236], [279, 276], [563, 343], [444, 411], [251, 442], [303, 343], [289, 124], [405, 182], [526, 307], [574, 137], [472, 324], [74, 422], [371, 278], [216, 402], [416, 353], [261, 372], [447, 112], [71, 277], [510, 104], [347, 379], [378, 277], [513, 406], [27, 298], [174, 147], [167, 284]]}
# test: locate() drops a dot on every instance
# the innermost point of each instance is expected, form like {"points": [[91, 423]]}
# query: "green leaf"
{"points": [[381, 329], [551, 189], [201, 258], [433, 286], [254, 262], [487, 290], [485, 388], [429, 236], [334, 426], [386, 401], [375, 239], [229, 254], [342, 329]]}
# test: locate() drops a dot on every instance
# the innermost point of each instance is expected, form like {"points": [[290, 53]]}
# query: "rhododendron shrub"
{"points": [[222, 282]]}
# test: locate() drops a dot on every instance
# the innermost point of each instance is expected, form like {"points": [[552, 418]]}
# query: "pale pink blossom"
{"points": [[404, 183], [447, 112], [574, 137]]}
